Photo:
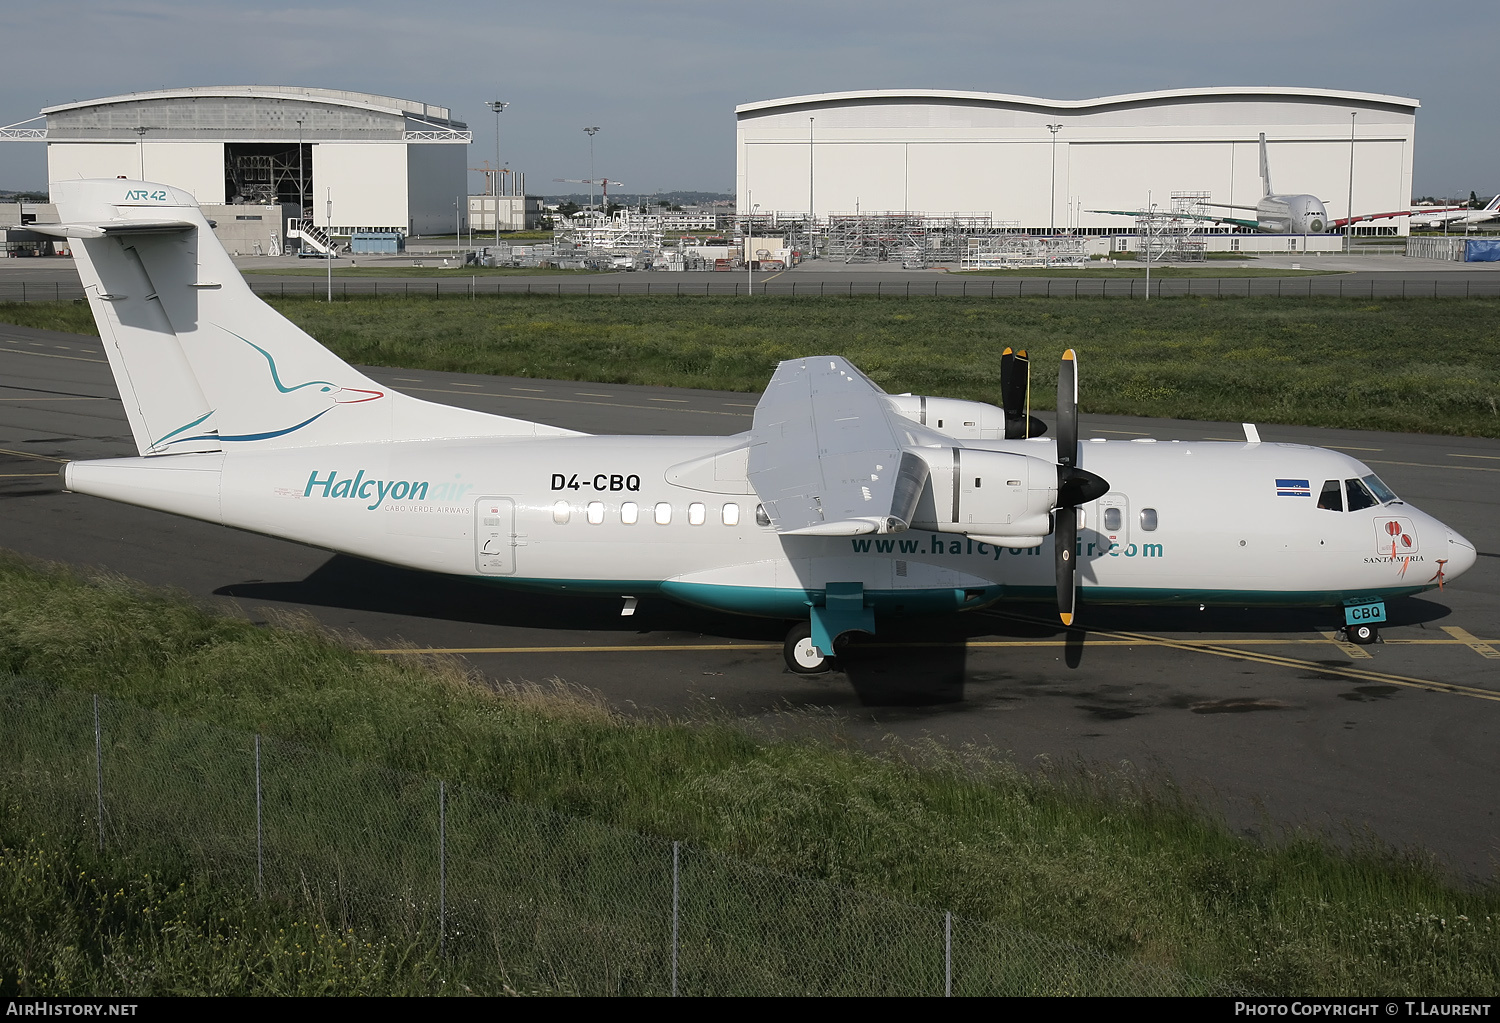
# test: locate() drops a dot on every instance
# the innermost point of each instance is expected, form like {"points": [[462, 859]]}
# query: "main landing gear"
{"points": [[1362, 635], [802, 658]]}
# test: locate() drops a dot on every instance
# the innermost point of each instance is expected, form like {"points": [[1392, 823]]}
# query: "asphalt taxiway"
{"points": [[1264, 716]]}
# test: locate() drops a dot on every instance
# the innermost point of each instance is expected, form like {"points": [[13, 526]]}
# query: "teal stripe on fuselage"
{"points": [[770, 602]]}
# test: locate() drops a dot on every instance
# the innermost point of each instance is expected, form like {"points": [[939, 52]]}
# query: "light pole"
{"points": [[497, 106], [591, 132], [1052, 203], [301, 185], [141, 131], [1349, 227], [1150, 221], [331, 249], [810, 213], [750, 246], [812, 216]]}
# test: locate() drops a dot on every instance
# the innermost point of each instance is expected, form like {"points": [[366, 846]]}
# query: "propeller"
{"points": [[1015, 396], [1075, 486]]}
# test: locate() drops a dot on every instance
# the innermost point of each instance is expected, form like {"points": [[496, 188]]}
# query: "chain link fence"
{"points": [[1367, 286], [517, 891]]}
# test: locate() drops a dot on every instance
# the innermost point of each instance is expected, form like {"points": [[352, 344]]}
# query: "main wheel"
{"points": [[802, 658], [1362, 635]]}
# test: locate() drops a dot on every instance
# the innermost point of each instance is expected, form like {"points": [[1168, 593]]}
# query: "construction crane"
{"points": [[492, 178], [605, 182]]}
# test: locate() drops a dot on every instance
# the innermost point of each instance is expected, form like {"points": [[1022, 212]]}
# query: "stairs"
{"points": [[312, 237]]}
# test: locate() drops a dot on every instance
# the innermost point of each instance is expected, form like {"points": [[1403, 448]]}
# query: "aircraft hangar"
{"points": [[1041, 164], [346, 160]]}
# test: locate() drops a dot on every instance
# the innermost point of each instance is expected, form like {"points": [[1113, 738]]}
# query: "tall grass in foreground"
{"points": [[1423, 365], [1101, 860]]}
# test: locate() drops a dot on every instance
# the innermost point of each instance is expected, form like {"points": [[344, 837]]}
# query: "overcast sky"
{"points": [[662, 77]]}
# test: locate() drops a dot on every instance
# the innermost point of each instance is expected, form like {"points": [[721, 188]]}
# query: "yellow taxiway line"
{"points": [[1217, 648]]}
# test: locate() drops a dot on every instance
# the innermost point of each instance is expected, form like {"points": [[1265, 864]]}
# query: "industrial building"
{"points": [[343, 161], [1038, 165]]}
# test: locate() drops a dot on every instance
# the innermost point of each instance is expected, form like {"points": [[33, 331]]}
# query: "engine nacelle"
{"points": [[996, 494], [969, 420]]}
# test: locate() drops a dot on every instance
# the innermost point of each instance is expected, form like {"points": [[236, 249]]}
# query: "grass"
{"points": [[1419, 365], [1105, 860], [73, 922], [1139, 272]]}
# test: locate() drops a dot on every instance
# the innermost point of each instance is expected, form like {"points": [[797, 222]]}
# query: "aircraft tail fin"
{"points": [[1265, 167], [202, 363]]}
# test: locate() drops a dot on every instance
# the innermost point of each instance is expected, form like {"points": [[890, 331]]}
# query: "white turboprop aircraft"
{"points": [[841, 506]]}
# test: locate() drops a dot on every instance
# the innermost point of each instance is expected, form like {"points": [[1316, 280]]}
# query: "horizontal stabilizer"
{"points": [[109, 228]]}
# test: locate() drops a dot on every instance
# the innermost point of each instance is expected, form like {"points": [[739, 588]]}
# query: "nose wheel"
{"points": [[1362, 635], [802, 658]]}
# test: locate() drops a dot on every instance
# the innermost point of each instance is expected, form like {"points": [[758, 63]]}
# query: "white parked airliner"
{"points": [[840, 507]]}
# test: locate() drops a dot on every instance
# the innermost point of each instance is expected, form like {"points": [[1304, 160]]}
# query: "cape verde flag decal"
{"points": [[1293, 488]]}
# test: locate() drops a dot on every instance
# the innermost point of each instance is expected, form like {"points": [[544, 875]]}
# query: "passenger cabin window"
{"points": [[1112, 519], [696, 514], [1148, 519], [731, 515], [596, 512], [630, 513], [761, 518], [1359, 495], [560, 513], [1332, 497], [663, 514]]}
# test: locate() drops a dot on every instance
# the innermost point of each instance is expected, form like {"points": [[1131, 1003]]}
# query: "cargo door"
{"points": [[495, 538]]}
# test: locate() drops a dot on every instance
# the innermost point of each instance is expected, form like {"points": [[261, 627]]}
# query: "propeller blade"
{"points": [[1015, 385], [1067, 410], [1065, 539]]}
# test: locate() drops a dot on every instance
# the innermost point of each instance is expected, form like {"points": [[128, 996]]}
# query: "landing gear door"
{"points": [[495, 536], [1112, 523]]}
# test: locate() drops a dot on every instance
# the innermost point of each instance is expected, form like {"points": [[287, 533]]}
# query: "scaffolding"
{"points": [[592, 239], [1175, 235], [1005, 251], [917, 239]]}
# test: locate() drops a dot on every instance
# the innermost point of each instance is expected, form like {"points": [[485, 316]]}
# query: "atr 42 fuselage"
{"points": [[1183, 523]]}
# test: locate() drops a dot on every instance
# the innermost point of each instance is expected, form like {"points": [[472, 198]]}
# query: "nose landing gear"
{"points": [[1362, 635], [802, 658]]}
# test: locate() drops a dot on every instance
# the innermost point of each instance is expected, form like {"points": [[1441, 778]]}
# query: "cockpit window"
{"points": [[1359, 495], [1332, 496], [1382, 492]]}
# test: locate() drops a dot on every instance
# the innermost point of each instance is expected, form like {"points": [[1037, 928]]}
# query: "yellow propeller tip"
{"points": [[1068, 355], [1067, 619], [1007, 350]]}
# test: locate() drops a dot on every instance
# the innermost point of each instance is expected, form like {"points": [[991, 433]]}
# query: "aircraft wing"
{"points": [[826, 455], [1345, 221], [1186, 216]]}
